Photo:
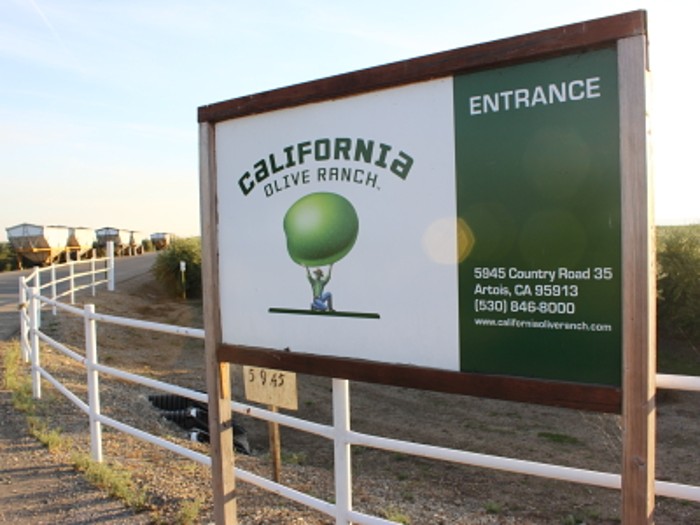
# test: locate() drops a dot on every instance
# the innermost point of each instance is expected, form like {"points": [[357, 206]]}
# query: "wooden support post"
{"points": [[273, 430], [218, 374], [639, 294]]}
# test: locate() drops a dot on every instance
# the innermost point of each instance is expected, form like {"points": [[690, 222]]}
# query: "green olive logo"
{"points": [[321, 228]]}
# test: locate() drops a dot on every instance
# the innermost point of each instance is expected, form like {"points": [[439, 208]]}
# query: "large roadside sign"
{"points": [[475, 221], [453, 222]]}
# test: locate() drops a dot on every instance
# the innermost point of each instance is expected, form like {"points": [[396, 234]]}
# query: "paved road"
{"points": [[125, 268]]}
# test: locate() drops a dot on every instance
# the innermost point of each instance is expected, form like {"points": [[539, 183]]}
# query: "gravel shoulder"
{"points": [[37, 487], [406, 489]]}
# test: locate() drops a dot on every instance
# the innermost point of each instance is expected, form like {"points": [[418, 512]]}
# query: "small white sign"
{"points": [[271, 387]]}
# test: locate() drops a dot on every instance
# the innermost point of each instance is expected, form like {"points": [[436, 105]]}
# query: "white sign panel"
{"points": [[336, 228]]}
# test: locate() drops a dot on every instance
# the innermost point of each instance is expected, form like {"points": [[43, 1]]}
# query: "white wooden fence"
{"points": [[32, 297]]}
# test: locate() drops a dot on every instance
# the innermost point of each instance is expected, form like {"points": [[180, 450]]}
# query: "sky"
{"points": [[98, 99]]}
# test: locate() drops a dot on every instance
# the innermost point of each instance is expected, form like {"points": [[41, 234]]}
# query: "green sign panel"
{"points": [[538, 193]]}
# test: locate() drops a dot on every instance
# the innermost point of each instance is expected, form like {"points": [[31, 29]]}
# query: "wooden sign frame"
{"points": [[627, 32]]}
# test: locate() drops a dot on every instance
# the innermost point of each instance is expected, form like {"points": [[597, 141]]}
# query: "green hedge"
{"points": [[678, 281], [8, 259], [167, 267]]}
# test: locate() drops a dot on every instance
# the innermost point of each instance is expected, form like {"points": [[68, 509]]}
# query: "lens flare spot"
{"points": [[448, 241]]}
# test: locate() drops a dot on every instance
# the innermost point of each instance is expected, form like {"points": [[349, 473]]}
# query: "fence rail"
{"points": [[32, 300]]}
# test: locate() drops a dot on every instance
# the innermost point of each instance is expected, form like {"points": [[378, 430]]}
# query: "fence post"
{"points": [[110, 266], [34, 338], [53, 288], [92, 276], [71, 281], [37, 283], [23, 340], [341, 450], [93, 383]]}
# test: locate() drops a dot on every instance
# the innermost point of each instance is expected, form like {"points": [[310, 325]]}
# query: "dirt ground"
{"points": [[397, 487], [37, 488]]}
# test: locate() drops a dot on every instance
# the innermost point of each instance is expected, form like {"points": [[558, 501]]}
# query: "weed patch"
{"points": [[189, 511], [559, 438], [50, 438], [114, 480], [396, 515]]}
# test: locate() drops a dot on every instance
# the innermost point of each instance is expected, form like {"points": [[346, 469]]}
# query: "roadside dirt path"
{"points": [[36, 489]]}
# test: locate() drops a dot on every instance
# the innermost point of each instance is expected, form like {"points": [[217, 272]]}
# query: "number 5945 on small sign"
{"points": [[271, 387]]}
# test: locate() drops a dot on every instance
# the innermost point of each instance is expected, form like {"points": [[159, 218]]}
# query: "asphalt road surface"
{"points": [[125, 268]]}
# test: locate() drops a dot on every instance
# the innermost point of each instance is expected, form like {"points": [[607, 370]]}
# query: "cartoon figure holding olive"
{"points": [[321, 228], [322, 300]]}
